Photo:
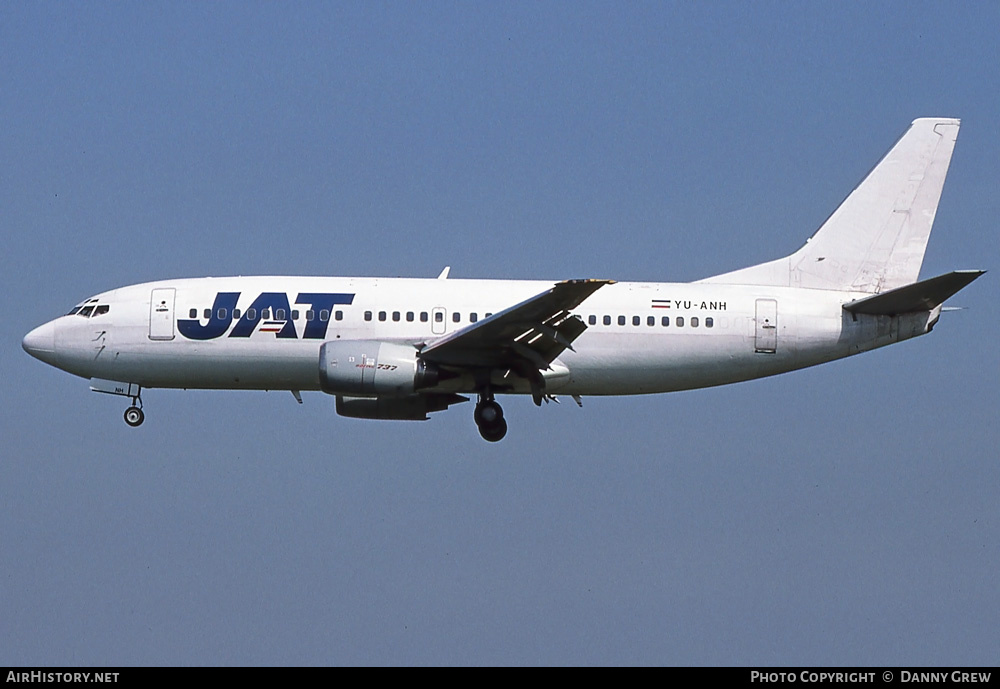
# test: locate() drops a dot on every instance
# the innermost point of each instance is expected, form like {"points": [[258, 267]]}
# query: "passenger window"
{"points": [[368, 315], [265, 314], [381, 315], [251, 314], [339, 315], [607, 320], [621, 320], [423, 316], [592, 320], [456, 317], [439, 317], [665, 321], [310, 315], [488, 315], [324, 315], [680, 321], [409, 316], [473, 317], [395, 316], [208, 313], [694, 321], [709, 322], [236, 313], [636, 320], [650, 320], [193, 313], [279, 314], [295, 314], [221, 314]]}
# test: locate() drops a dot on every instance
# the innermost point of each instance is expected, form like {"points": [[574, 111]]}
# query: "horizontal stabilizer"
{"points": [[919, 296]]}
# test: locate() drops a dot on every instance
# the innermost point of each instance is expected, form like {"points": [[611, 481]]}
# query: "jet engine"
{"points": [[373, 368]]}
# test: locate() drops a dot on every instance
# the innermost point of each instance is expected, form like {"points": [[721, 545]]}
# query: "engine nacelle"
{"points": [[373, 368]]}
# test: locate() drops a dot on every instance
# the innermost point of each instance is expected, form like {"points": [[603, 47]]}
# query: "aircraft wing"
{"points": [[525, 338]]}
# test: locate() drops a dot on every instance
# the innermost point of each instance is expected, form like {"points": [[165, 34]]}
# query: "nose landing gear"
{"points": [[134, 416], [489, 418]]}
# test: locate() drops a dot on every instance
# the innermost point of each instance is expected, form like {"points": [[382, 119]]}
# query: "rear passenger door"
{"points": [[766, 337]]}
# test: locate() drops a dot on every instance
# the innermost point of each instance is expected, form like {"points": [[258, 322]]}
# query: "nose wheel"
{"points": [[134, 416], [489, 418]]}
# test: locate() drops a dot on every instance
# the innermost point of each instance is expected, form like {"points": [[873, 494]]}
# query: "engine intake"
{"points": [[373, 368]]}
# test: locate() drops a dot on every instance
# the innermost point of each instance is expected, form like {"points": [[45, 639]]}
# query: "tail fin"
{"points": [[875, 240]]}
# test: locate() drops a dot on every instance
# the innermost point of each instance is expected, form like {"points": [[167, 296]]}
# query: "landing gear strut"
{"points": [[489, 417], [133, 415]]}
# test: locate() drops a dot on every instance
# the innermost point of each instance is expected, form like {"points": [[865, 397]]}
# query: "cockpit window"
{"points": [[84, 309], [101, 309]]}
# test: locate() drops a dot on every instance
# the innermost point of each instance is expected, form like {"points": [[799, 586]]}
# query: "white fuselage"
{"points": [[640, 338], [402, 348]]}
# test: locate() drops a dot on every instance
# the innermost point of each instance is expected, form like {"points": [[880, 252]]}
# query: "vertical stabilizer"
{"points": [[875, 240]]}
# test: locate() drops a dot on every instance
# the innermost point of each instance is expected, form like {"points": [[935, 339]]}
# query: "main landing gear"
{"points": [[489, 418]]}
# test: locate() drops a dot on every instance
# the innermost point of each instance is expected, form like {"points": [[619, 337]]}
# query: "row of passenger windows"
{"points": [[90, 308], [456, 317], [324, 315], [410, 317], [651, 321], [279, 314]]}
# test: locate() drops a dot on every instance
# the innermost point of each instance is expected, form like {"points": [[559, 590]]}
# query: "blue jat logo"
{"points": [[271, 303]]}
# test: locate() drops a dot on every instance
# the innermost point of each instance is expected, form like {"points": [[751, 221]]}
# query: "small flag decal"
{"points": [[272, 326]]}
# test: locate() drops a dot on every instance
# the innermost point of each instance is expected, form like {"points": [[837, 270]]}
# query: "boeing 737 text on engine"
{"points": [[399, 348]]}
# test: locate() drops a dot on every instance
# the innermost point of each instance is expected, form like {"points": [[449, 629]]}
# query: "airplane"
{"points": [[403, 348]]}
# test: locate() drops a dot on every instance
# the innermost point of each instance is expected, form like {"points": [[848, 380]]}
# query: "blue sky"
{"points": [[846, 514]]}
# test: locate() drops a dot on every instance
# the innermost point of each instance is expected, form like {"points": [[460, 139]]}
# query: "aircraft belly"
{"points": [[616, 364], [611, 364], [188, 365]]}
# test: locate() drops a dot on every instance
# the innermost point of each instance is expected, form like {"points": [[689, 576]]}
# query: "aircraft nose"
{"points": [[41, 342]]}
